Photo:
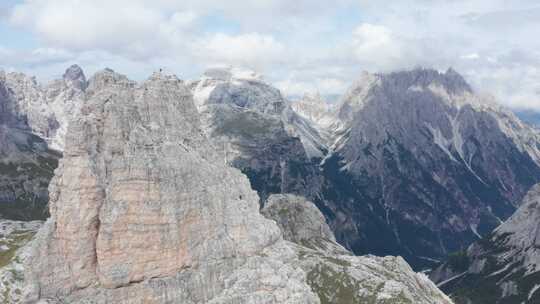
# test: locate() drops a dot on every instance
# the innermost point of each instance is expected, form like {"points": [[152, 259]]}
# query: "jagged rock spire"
{"points": [[75, 75]]}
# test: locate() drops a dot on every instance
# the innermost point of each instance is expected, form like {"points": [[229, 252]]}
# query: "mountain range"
{"points": [[144, 208], [413, 164]]}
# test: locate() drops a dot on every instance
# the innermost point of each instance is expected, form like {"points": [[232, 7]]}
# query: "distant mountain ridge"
{"points": [[420, 165]]}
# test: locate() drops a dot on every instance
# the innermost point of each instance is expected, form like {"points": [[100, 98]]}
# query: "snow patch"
{"points": [[473, 229], [533, 290]]}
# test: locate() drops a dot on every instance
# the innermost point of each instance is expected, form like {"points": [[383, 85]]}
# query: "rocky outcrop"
{"points": [[335, 274], [26, 162], [503, 267], [422, 166], [143, 210], [256, 131]]}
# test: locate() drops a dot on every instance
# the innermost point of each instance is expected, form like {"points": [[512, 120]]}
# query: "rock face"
{"points": [[334, 274], [503, 267], [26, 162], [421, 166], [143, 210], [257, 132]]}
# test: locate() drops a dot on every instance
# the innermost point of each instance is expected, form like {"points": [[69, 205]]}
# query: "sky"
{"points": [[299, 46]]}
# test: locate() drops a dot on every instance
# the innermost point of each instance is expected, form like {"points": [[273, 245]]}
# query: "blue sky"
{"points": [[300, 46]]}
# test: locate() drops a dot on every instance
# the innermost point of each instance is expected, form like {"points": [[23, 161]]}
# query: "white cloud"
{"points": [[301, 45], [131, 28], [292, 88], [252, 49], [29, 58], [471, 56], [145, 30], [328, 86], [375, 42]]}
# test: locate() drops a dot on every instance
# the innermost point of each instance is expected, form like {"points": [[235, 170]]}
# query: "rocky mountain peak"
{"points": [[239, 88], [356, 96], [108, 78], [431, 129], [75, 75], [421, 78], [449, 86]]}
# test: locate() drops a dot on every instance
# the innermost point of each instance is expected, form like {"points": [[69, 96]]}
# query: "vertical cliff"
{"points": [[143, 210]]}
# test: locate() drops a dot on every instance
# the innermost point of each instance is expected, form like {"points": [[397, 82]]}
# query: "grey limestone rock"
{"points": [[144, 210]]}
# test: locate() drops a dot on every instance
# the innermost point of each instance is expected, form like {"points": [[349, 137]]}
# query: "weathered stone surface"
{"points": [[143, 210]]}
